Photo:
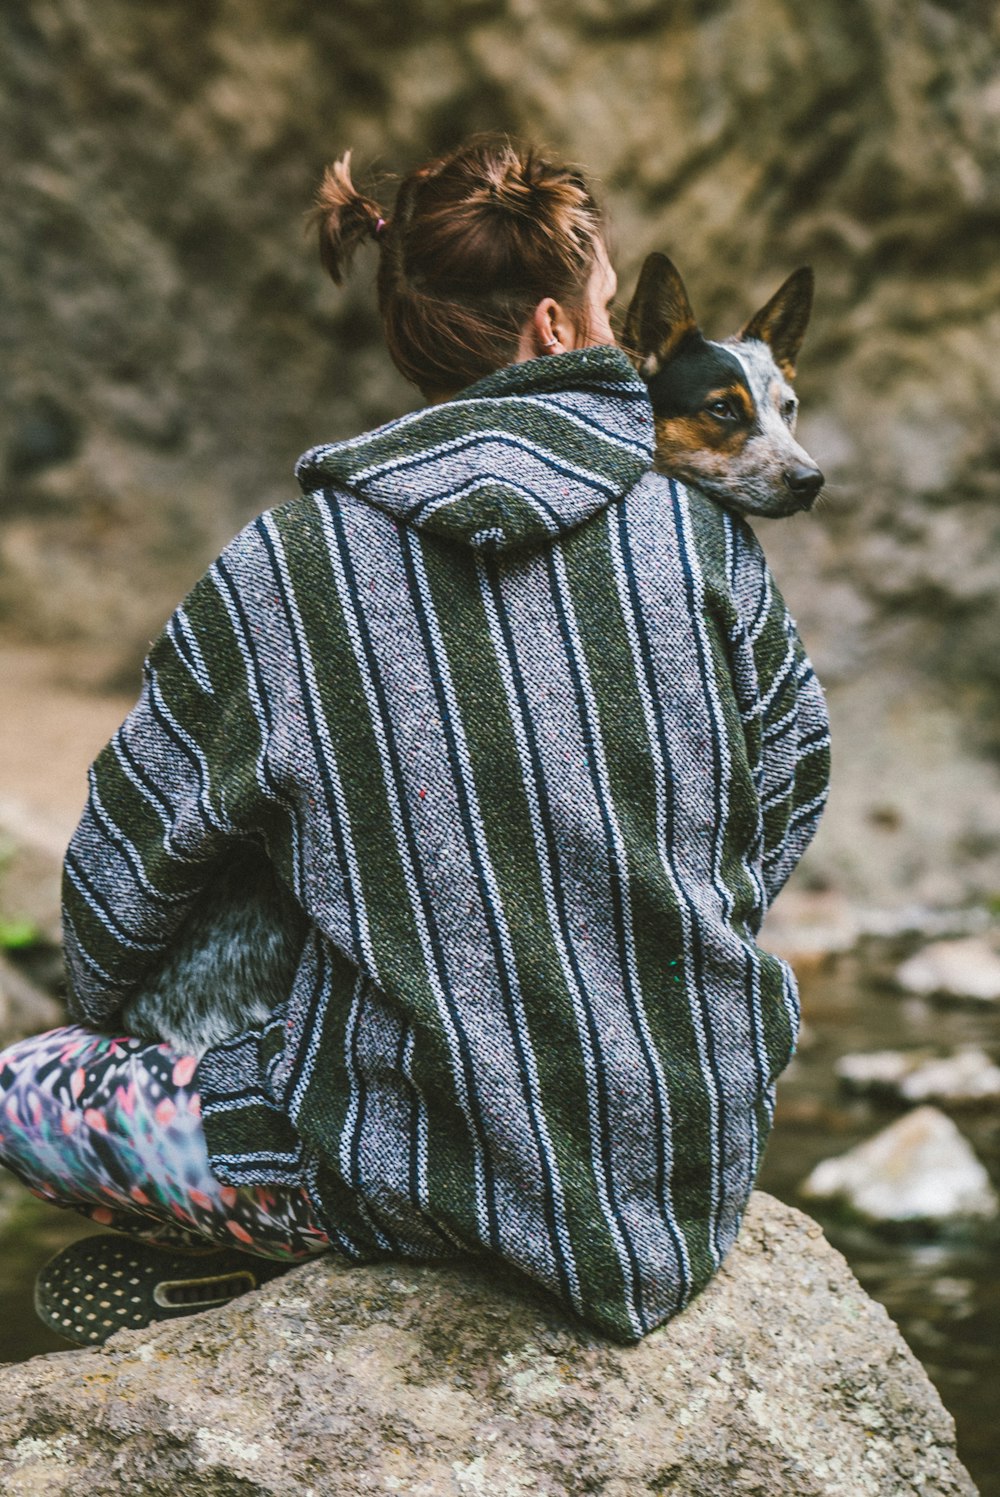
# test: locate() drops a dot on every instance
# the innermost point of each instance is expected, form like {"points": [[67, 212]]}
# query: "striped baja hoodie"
{"points": [[528, 731]]}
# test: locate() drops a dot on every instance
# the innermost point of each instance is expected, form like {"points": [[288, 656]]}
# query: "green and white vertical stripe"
{"points": [[530, 734]]}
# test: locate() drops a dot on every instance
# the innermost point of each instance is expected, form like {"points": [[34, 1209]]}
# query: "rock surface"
{"points": [[781, 1378], [30, 859], [170, 345], [966, 1077], [919, 1169], [964, 969], [24, 1007]]}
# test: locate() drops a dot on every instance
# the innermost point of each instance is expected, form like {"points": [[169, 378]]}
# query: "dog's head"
{"points": [[725, 412]]}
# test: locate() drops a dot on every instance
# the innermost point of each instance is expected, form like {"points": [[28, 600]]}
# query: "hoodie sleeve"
{"points": [[176, 784], [785, 718]]}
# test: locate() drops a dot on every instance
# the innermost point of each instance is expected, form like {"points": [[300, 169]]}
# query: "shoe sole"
{"points": [[105, 1284]]}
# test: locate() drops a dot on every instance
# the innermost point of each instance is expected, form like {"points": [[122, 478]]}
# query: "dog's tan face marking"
{"points": [[721, 426], [684, 447], [725, 412]]}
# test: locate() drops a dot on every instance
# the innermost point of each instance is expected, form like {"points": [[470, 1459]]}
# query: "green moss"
{"points": [[16, 934]]}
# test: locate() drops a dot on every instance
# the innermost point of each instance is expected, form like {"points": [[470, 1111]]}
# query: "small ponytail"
{"points": [[343, 217]]}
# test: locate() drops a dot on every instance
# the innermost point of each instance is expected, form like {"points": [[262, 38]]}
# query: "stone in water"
{"points": [[969, 968], [966, 1076], [919, 1169]]}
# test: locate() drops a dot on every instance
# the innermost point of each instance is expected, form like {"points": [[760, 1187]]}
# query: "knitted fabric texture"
{"points": [[530, 734]]}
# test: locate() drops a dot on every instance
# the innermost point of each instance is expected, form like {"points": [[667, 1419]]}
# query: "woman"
{"points": [[529, 734]]}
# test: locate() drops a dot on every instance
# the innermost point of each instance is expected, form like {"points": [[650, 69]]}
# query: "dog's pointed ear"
{"points": [[659, 316], [781, 324]]}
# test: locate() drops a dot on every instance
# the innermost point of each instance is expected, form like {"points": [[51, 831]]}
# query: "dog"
{"points": [[725, 412], [725, 422], [232, 961]]}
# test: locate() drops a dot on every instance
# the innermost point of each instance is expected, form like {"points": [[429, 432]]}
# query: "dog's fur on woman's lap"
{"points": [[725, 421], [232, 961]]}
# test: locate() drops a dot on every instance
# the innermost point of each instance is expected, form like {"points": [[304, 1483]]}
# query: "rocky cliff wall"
{"points": [[170, 345]]}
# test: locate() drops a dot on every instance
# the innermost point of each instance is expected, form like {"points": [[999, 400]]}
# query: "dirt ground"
{"points": [[52, 725], [54, 721]]}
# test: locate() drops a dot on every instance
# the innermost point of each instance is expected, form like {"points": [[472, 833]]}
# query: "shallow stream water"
{"points": [[942, 1290]]}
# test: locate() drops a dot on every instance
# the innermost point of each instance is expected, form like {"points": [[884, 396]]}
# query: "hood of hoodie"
{"points": [[515, 460]]}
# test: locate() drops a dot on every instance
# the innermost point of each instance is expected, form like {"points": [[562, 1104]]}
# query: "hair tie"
{"points": [[380, 225]]}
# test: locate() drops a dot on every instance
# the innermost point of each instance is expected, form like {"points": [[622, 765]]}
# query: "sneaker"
{"points": [[108, 1283]]}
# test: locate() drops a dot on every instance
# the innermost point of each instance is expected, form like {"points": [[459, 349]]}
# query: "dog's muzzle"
{"points": [[803, 483]]}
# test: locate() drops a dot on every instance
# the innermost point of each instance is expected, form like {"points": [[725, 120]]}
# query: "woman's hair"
{"points": [[476, 239]]}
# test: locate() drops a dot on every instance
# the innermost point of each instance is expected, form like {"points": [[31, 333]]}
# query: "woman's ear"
{"points": [[548, 330]]}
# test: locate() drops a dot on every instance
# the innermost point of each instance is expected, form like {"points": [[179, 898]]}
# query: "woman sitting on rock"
{"points": [[531, 742]]}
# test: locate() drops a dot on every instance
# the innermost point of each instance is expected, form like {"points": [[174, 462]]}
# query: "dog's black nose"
{"points": [[804, 483]]}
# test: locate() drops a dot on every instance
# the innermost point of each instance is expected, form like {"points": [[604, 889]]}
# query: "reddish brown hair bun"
{"points": [[477, 238]]}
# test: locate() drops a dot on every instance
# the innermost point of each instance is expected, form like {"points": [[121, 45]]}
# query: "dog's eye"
{"points": [[724, 410], [788, 410]]}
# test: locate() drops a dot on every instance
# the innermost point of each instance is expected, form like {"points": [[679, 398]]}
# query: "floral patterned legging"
{"points": [[110, 1127]]}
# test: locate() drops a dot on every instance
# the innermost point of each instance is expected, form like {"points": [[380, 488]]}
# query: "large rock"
{"points": [[782, 1378]]}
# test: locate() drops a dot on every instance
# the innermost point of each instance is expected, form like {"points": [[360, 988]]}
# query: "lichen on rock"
{"points": [[782, 1377]]}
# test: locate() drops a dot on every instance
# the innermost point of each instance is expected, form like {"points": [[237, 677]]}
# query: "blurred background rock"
{"points": [[170, 344]]}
